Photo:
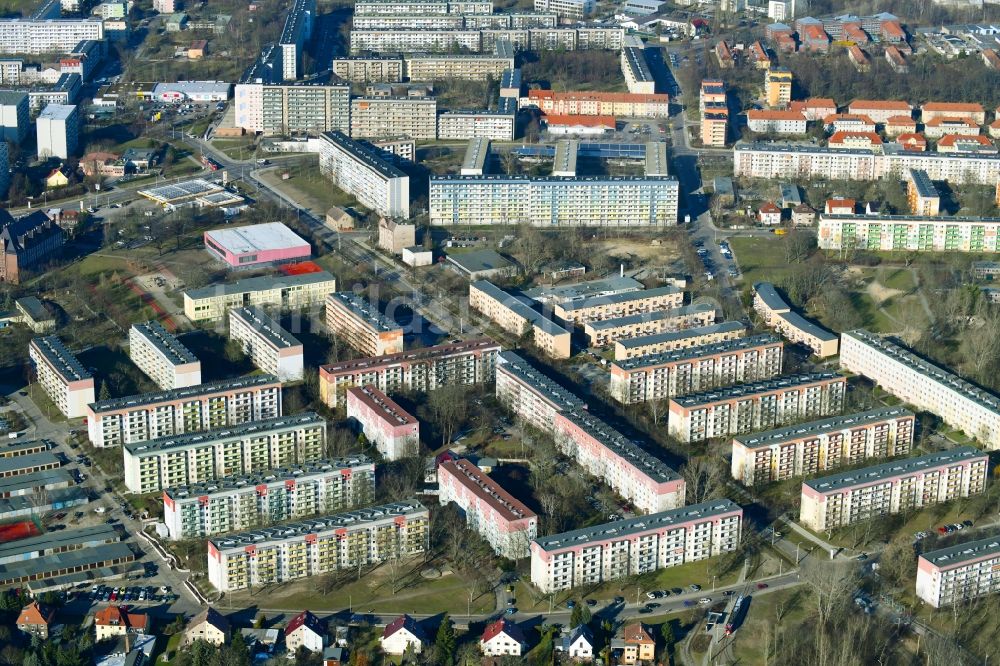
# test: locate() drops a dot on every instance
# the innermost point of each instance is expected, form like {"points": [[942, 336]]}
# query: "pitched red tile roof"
{"points": [[308, 620], [636, 633], [403, 622], [951, 139], [505, 626], [842, 135], [36, 614], [117, 616]]}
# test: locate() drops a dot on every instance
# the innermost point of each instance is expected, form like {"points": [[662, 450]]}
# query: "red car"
{"points": [[761, 586]]}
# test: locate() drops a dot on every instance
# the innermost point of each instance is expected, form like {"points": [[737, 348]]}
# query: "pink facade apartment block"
{"points": [[505, 522], [393, 431]]}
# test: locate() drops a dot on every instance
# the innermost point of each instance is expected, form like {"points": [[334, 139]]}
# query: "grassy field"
{"points": [[785, 607], [311, 189], [760, 258]]}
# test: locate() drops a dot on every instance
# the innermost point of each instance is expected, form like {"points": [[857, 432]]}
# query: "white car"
{"points": [[704, 601], [100, 509]]}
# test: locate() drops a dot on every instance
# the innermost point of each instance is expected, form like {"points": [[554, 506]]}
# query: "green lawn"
{"points": [[762, 615], [896, 278], [760, 258], [44, 403]]}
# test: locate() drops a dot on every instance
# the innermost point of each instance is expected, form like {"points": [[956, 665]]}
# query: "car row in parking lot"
{"points": [[148, 593]]}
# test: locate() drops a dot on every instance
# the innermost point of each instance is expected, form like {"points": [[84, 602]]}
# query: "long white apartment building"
{"points": [[663, 376], [923, 385], [163, 357], [47, 36], [295, 34], [584, 201], [368, 69], [686, 338], [514, 314], [411, 40], [465, 125], [861, 494], [571, 9], [245, 501], [623, 548], [434, 67], [285, 292], [429, 7], [909, 233], [181, 460], [291, 107], [794, 160], [67, 383], [530, 394], [603, 452], [758, 406], [320, 545], [420, 370], [358, 322], [819, 446], [381, 117], [600, 308], [271, 348], [393, 22], [139, 418], [604, 332], [504, 521], [386, 425], [959, 573], [357, 170]]}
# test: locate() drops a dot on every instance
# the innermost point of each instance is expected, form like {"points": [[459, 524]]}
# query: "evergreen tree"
{"points": [[445, 641], [576, 616], [104, 393], [667, 631]]}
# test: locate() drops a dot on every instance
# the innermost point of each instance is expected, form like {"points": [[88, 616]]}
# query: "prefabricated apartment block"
{"points": [[757, 406], [923, 385], [244, 501], [163, 357], [386, 425], [623, 548], [318, 546], [959, 573], [778, 315], [515, 314], [138, 418], [620, 305], [251, 447], [286, 292], [603, 332], [67, 383], [850, 497], [531, 395], [358, 322], [661, 343], [677, 373], [271, 348], [818, 446]]}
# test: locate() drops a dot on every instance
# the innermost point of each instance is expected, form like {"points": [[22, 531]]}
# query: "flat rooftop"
{"points": [[623, 447], [927, 369], [57, 112], [256, 238], [165, 342], [656, 315], [476, 154], [959, 554], [701, 351], [263, 283], [265, 326], [521, 307], [486, 489], [823, 426], [207, 437], [921, 219], [509, 362], [898, 468], [177, 192], [480, 260], [61, 359], [620, 529], [44, 459], [25, 446], [755, 388], [674, 336], [615, 299], [383, 406], [656, 159], [564, 162], [43, 567], [363, 154], [33, 307], [277, 476], [187, 394], [478, 345], [364, 309], [322, 524], [581, 290], [922, 183], [44, 479]]}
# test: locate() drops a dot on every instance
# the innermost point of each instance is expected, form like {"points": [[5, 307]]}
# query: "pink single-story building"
{"points": [[257, 244]]}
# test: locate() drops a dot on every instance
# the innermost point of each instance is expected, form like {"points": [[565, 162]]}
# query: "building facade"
{"points": [[319, 546], [27, 242], [638, 545], [819, 446], [686, 338], [358, 322], [242, 502], [778, 315], [530, 394], [515, 315], [465, 125], [605, 332], [67, 383], [909, 233], [250, 447], [57, 130], [286, 292], [271, 348], [600, 308], [377, 117], [386, 425], [163, 357], [959, 573], [851, 497], [139, 418], [357, 170], [757, 406]]}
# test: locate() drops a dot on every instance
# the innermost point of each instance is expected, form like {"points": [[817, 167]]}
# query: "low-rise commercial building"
{"points": [[604, 332], [923, 385], [162, 356], [256, 245], [28, 464], [531, 395], [662, 376], [318, 546], [909, 233], [819, 446], [359, 171], [778, 315], [420, 370], [271, 348], [358, 322], [515, 315], [850, 497], [67, 383], [601, 308], [62, 553], [376, 117], [623, 548], [686, 338], [757, 406], [959, 573], [287, 292], [240, 502], [505, 522], [386, 425], [250, 447], [220, 404]]}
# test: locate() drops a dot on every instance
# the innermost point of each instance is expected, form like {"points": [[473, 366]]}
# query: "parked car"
{"points": [[704, 601], [761, 586], [694, 587]]}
